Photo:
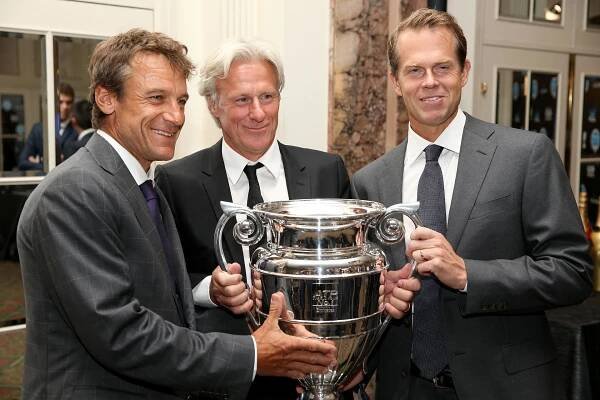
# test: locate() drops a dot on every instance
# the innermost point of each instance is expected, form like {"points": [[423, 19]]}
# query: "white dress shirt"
{"points": [[414, 164], [84, 133], [273, 187], [133, 165]]}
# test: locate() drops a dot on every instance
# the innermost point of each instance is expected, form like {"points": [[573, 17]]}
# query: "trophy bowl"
{"points": [[318, 253]]}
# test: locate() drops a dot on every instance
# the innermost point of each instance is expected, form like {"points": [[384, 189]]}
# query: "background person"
{"points": [[32, 154], [81, 121]]}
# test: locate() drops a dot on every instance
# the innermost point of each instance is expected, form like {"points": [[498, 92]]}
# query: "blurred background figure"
{"points": [[32, 155], [81, 121]]}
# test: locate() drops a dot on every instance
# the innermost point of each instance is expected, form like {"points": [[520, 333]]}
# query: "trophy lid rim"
{"points": [[274, 209]]}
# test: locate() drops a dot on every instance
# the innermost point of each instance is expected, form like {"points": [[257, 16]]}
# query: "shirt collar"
{"points": [[132, 164], [235, 162], [84, 133], [449, 139]]}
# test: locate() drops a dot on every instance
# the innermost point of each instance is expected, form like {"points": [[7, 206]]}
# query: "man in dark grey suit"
{"points": [[242, 85], [503, 241], [109, 304]]}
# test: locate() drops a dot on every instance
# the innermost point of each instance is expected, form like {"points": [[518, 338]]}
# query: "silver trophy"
{"points": [[317, 253]]}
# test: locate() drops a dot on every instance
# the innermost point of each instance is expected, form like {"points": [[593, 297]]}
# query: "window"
{"points": [[28, 133]]}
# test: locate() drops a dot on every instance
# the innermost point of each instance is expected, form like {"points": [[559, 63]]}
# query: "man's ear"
{"points": [[395, 83], [213, 108], [105, 100]]}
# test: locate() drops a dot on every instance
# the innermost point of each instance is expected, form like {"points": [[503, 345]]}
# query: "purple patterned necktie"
{"points": [[152, 201], [429, 352]]}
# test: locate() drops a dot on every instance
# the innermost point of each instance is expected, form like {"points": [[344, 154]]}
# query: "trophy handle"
{"points": [[246, 232], [389, 229]]}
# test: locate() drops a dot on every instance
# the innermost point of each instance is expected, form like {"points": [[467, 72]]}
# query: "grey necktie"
{"points": [[429, 352]]}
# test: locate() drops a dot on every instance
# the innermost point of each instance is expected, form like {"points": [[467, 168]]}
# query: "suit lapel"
{"points": [[476, 153], [391, 193], [296, 176], [217, 188], [109, 160], [182, 282]]}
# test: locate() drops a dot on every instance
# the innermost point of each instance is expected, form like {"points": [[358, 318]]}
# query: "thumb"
{"points": [[234, 268], [276, 308], [405, 271]]}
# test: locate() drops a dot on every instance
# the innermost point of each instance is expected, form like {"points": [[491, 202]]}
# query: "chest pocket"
{"points": [[502, 204]]}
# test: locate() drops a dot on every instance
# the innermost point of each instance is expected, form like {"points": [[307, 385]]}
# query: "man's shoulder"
{"points": [[192, 163], [77, 177], [504, 135], [308, 155], [81, 169], [380, 164]]}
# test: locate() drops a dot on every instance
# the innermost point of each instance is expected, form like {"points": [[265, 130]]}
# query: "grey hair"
{"points": [[217, 67]]}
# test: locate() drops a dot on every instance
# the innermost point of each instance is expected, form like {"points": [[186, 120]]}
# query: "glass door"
{"points": [[585, 141], [525, 90]]}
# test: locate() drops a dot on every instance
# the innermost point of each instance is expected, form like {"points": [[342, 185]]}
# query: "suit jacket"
{"points": [[102, 320], [194, 187], [515, 222]]}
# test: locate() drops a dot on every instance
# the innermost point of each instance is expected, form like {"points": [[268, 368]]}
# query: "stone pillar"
{"points": [[365, 117]]}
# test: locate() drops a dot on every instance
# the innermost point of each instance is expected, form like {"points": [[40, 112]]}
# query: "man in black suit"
{"points": [[243, 97], [81, 121]]}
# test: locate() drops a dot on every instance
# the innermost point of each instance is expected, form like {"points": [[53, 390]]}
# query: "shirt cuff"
{"points": [[201, 293], [255, 358], [465, 289]]}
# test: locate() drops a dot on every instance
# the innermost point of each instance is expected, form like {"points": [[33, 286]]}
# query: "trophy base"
{"points": [[323, 395]]}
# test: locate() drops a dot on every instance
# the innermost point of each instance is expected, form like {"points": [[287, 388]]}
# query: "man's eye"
{"points": [[183, 102], [157, 97], [442, 68], [242, 101], [414, 71]]}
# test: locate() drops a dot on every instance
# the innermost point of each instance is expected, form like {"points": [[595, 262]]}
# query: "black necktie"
{"points": [[152, 201], [429, 352], [254, 196]]}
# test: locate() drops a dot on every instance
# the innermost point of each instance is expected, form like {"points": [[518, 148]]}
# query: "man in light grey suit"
{"points": [[505, 244], [109, 304]]}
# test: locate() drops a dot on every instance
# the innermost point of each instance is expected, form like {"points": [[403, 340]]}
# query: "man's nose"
{"points": [[429, 79], [175, 113], [256, 110]]}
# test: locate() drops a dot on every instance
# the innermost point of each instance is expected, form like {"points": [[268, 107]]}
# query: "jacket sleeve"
{"points": [[555, 269], [32, 147]]}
